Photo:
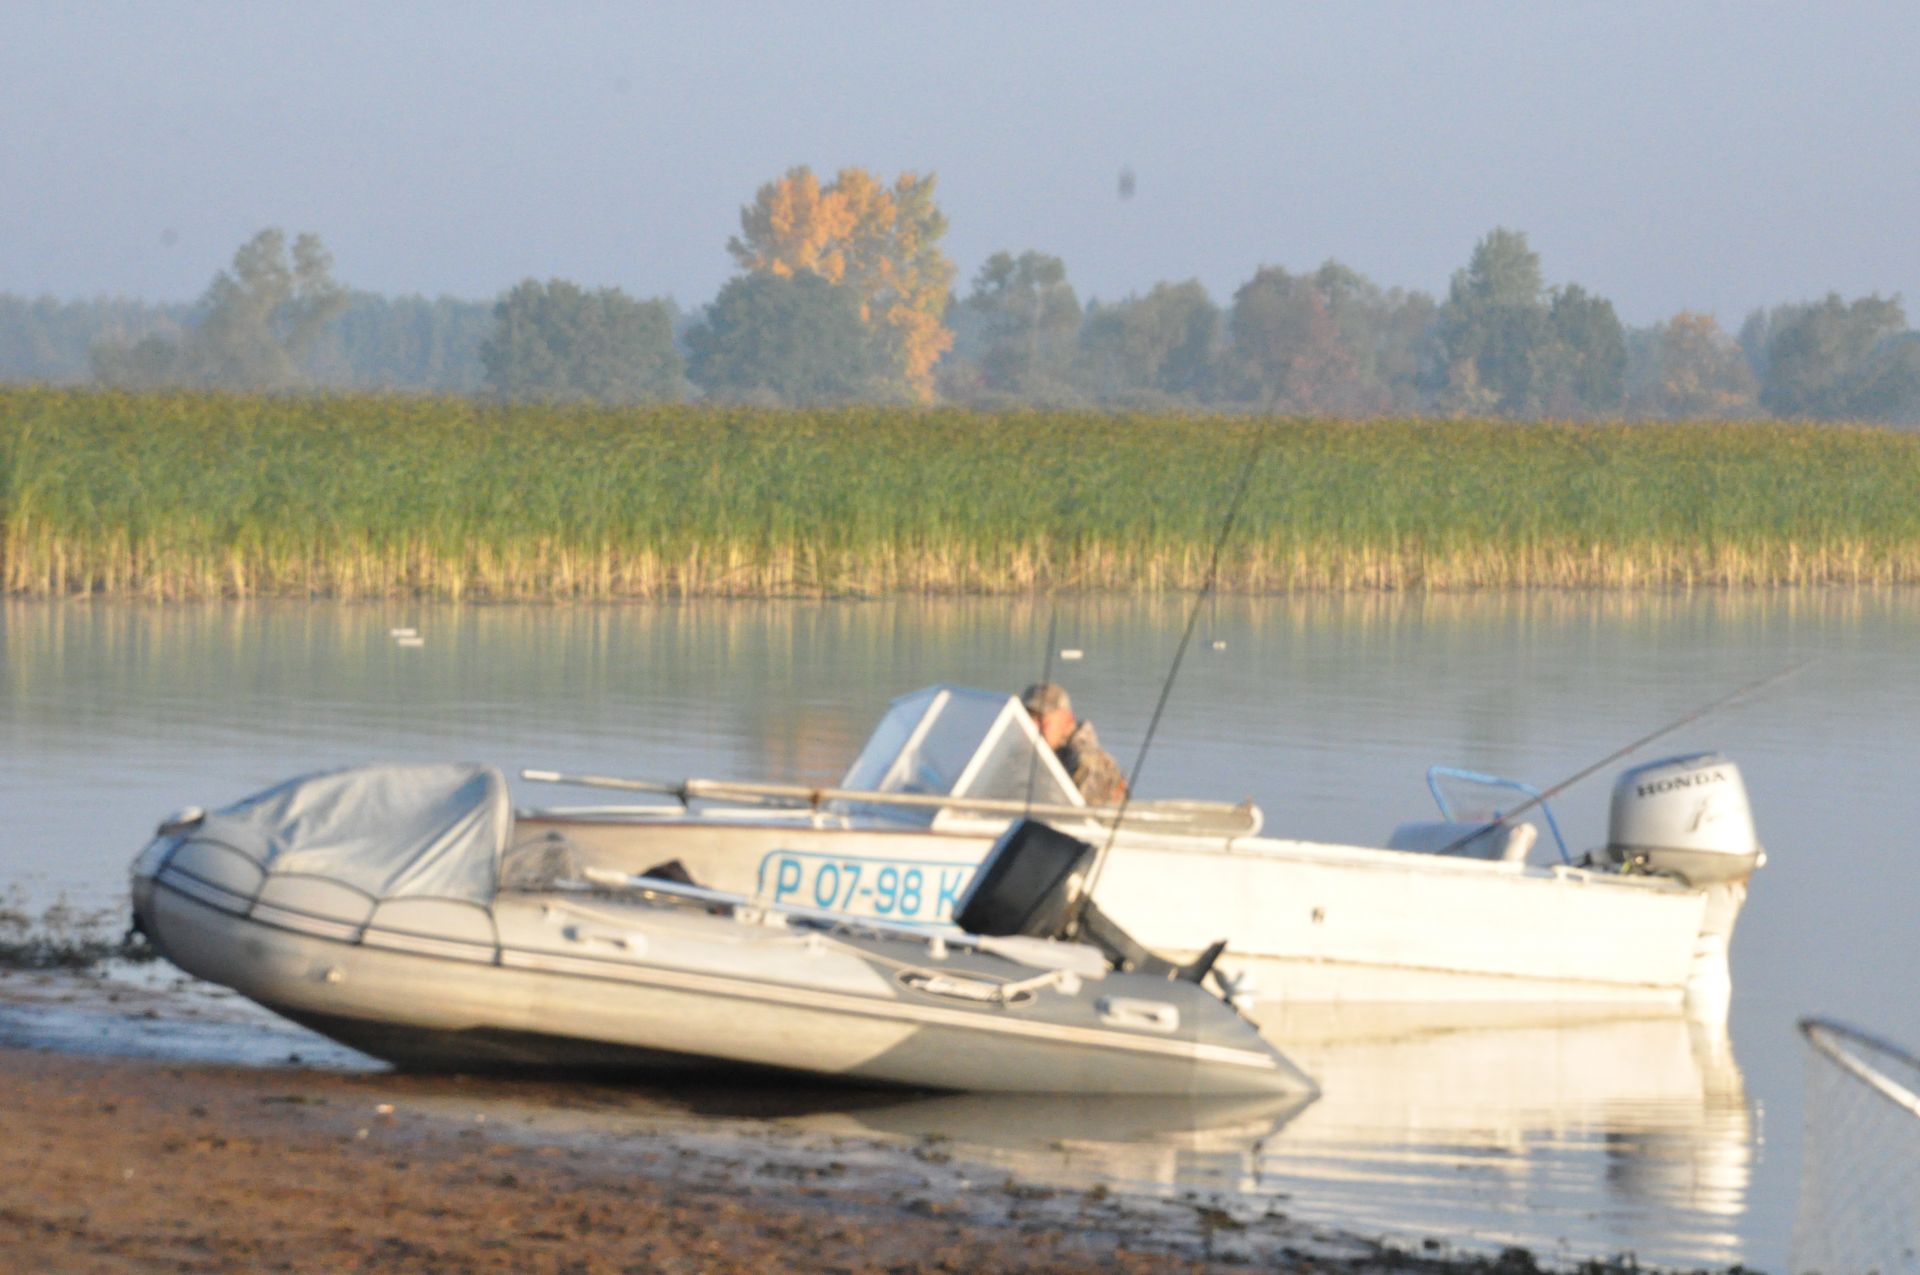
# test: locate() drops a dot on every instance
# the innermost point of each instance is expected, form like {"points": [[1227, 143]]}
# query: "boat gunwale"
{"points": [[1330, 853]]}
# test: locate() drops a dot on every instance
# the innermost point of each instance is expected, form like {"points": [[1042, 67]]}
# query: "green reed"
{"points": [[180, 495]]}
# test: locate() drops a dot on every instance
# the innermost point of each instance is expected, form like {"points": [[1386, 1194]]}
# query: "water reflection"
{"points": [[1583, 1138], [1162, 1146], [1629, 1133]]}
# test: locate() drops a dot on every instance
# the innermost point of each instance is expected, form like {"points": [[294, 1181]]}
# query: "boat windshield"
{"points": [[952, 741]]}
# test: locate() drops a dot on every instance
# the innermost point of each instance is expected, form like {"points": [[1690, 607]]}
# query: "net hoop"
{"points": [[1842, 1046]]}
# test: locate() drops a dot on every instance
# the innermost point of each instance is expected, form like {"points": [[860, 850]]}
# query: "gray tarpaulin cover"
{"points": [[393, 831]]}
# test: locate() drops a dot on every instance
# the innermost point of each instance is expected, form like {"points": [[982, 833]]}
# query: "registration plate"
{"points": [[914, 891]]}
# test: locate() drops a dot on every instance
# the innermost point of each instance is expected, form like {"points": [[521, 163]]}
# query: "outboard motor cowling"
{"points": [[1033, 884], [1030, 884], [1684, 816]]}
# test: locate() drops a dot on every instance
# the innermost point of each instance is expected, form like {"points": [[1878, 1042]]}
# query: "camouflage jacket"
{"points": [[1093, 770]]}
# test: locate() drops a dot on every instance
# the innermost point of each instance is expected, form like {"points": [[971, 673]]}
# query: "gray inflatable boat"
{"points": [[379, 906]]}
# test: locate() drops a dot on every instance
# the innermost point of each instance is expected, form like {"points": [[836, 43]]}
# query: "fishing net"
{"points": [[1860, 1162]]}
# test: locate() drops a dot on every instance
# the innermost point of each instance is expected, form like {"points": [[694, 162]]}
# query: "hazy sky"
{"points": [[1669, 156]]}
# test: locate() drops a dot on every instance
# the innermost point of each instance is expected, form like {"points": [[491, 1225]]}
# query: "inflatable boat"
{"points": [[393, 909]]}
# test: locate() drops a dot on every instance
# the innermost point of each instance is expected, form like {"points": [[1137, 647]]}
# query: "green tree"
{"points": [[44, 339], [1407, 350], [405, 343], [557, 342], [1160, 347], [1823, 359], [1688, 367], [251, 331], [1580, 366], [1391, 335], [1888, 385], [1494, 321], [149, 362], [1513, 346], [1753, 342], [1026, 325], [793, 339], [1289, 350]]}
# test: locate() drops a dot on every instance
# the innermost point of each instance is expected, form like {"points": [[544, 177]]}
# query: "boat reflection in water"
{"points": [[1151, 1146], [1607, 1135], [1578, 1139]]}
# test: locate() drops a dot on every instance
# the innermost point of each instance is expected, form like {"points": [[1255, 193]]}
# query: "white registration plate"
{"points": [[913, 891]]}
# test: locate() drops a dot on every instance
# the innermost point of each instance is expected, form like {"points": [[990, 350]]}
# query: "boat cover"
{"points": [[398, 831]]}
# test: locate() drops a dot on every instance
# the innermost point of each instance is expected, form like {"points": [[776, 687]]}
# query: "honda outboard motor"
{"points": [[1686, 817]]}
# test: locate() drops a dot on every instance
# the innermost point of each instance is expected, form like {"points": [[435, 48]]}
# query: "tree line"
{"points": [[843, 294]]}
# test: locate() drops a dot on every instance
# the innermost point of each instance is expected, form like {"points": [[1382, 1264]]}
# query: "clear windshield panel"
{"points": [[924, 745], [1014, 768], [869, 769], [935, 761]]}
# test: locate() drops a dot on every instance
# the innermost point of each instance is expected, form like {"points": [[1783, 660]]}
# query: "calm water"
{"points": [[1642, 1135]]}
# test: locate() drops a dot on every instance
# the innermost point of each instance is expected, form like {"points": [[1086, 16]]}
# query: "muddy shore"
{"points": [[136, 1165], [118, 1163]]}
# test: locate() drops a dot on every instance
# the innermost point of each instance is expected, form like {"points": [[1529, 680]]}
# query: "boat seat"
{"points": [[1501, 843]]}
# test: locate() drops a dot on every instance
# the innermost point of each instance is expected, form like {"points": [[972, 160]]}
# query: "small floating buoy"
{"points": [[1071, 653], [1218, 644], [403, 633], [413, 640]]}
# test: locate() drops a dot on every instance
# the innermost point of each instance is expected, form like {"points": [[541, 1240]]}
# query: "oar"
{"points": [[733, 790]]}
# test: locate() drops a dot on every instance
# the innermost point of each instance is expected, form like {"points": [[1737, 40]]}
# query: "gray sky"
{"points": [[1669, 156]]}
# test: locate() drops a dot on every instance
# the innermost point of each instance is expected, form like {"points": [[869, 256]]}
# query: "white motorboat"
{"points": [[1444, 912], [389, 908]]}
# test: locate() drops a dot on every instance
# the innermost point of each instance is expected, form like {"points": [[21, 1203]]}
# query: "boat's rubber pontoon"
{"points": [[374, 906]]}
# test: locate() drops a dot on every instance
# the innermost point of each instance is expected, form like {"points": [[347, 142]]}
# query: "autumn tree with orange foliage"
{"points": [[880, 242]]}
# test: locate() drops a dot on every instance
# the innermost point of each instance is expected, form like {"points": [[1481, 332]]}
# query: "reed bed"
{"points": [[176, 496]]}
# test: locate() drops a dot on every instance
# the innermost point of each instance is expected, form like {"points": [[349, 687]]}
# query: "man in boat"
{"points": [[1093, 770]]}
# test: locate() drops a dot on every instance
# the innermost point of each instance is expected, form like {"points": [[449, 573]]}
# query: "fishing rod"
{"points": [[1046, 675], [1541, 797], [1180, 652]]}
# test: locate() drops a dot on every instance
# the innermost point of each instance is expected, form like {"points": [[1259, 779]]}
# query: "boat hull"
{"points": [[614, 989], [1307, 923]]}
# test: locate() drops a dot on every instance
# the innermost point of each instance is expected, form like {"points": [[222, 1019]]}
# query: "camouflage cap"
{"points": [[1045, 697]]}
